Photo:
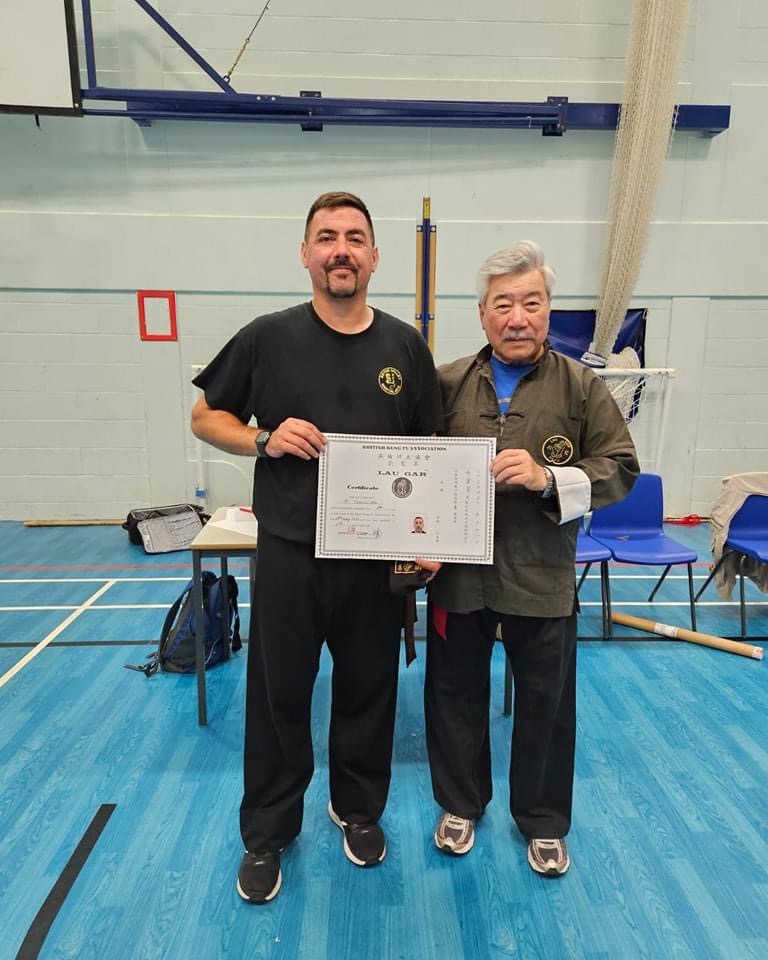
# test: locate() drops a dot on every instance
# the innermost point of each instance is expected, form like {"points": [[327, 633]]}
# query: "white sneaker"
{"points": [[454, 834], [548, 857]]}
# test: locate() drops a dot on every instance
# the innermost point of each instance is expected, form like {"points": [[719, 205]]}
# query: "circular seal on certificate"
{"points": [[557, 450], [402, 487]]}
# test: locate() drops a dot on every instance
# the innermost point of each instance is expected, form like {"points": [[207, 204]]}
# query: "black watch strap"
{"points": [[262, 439]]}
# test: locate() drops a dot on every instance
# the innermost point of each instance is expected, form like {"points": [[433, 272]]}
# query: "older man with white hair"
{"points": [[563, 448]]}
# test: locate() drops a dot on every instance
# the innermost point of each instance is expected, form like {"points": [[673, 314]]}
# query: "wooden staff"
{"points": [[692, 636], [73, 523]]}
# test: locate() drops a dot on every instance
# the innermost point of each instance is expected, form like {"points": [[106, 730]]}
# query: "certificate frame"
{"points": [[373, 490]]}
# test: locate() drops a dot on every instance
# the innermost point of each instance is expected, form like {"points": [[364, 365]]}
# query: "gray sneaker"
{"points": [[454, 834], [548, 857]]}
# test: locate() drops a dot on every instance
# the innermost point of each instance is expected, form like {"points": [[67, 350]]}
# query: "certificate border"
{"points": [[322, 552]]}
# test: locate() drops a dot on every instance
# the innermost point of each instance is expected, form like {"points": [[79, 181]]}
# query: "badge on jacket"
{"points": [[557, 450]]}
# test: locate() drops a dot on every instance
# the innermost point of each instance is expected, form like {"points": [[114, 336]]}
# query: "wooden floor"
{"points": [[669, 843]]}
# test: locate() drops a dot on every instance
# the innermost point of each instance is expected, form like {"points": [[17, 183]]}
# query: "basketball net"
{"points": [[642, 138], [643, 396]]}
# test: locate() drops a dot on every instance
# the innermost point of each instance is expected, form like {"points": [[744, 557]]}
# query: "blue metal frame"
{"points": [[553, 118]]}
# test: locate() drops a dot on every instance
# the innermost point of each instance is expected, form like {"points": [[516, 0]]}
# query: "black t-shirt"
{"points": [[290, 364]]}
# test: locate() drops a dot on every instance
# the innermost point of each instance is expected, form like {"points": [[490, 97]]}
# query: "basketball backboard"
{"points": [[38, 57]]}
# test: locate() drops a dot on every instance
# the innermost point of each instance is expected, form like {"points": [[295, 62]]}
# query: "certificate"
{"points": [[399, 498]]}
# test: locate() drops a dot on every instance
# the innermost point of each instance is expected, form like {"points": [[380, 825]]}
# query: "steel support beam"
{"points": [[311, 112]]}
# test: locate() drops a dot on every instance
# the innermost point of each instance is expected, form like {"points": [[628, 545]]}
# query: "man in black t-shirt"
{"points": [[337, 365]]}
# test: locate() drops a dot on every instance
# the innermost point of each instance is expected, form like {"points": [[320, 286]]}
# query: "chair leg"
{"points": [[712, 574], [691, 596], [605, 587], [742, 603], [583, 576], [659, 582], [507, 686]]}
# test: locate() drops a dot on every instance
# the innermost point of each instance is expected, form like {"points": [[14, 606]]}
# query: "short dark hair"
{"points": [[334, 199]]}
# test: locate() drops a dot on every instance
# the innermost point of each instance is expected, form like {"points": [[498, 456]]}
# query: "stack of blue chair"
{"points": [[747, 537], [630, 532], [633, 530], [589, 551]]}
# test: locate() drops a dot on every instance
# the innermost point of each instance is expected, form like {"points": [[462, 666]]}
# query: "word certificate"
{"points": [[399, 498]]}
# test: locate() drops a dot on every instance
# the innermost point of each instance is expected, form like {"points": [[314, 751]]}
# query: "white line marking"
{"points": [[131, 606], [10, 582], [70, 606], [106, 606], [419, 603], [53, 634], [647, 576], [591, 576]]}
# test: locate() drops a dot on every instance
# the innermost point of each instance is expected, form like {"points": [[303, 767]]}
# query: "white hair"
{"points": [[518, 259]]}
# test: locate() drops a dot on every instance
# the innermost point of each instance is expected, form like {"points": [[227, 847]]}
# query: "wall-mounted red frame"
{"points": [[170, 296]]}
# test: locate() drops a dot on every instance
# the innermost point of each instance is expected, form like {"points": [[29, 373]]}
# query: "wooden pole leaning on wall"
{"points": [[691, 636]]}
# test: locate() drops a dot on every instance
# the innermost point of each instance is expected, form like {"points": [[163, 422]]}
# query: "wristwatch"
{"points": [[549, 487], [262, 439]]}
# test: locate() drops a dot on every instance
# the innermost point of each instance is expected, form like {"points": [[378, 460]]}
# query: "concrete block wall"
{"points": [[94, 422]]}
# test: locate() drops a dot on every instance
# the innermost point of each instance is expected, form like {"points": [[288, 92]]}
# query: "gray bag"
{"points": [[165, 529]]}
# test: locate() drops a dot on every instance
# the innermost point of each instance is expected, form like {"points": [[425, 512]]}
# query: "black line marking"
{"points": [[38, 931]]}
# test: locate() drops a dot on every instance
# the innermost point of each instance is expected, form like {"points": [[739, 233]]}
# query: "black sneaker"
{"points": [[259, 877], [364, 843]]}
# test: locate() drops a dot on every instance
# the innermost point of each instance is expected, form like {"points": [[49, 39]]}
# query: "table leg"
{"points": [[225, 603], [197, 589]]}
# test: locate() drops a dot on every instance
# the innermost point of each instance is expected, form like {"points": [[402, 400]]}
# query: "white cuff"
{"points": [[574, 492]]}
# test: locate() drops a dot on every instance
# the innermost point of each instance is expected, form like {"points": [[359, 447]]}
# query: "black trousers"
{"points": [[299, 602], [542, 653]]}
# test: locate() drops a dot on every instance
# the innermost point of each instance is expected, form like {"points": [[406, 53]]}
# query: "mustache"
{"points": [[341, 262], [516, 336]]}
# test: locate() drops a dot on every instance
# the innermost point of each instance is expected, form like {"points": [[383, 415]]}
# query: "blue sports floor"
{"points": [[118, 814]]}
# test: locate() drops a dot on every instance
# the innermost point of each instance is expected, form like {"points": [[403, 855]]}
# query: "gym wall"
{"points": [[93, 421]]}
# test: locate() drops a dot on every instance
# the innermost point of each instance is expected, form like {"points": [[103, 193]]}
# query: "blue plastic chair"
{"points": [[589, 551], [633, 530], [748, 537]]}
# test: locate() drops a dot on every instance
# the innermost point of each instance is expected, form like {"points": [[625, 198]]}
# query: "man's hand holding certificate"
{"points": [[396, 498]]}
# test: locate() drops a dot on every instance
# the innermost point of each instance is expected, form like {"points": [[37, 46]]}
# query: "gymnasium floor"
{"points": [[108, 772]]}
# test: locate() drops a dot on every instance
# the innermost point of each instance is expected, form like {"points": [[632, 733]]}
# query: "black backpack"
{"points": [[176, 649]]}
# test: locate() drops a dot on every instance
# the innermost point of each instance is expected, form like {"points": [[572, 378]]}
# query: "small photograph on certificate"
{"points": [[399, 498]]}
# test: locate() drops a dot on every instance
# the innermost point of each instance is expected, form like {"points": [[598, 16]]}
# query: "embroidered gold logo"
{"points": [[407, 567], [391, 381], [557, 450]]}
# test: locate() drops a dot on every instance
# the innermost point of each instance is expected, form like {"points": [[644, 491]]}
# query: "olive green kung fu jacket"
{"points": [[565, 417]]}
